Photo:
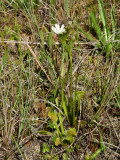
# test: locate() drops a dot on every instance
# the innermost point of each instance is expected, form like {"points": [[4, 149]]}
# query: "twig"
{"points": [[45, 43]]}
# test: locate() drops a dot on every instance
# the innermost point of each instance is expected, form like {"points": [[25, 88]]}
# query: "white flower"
{"points": [[58, 30]]}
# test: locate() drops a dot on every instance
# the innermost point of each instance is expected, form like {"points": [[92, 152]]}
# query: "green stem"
{"points": [[72, 107]]}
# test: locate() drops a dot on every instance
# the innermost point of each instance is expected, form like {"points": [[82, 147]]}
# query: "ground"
{"points": [[31, 62]]}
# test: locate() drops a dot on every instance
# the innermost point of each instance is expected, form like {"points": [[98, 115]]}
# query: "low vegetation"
{"points": [[59, 79]]}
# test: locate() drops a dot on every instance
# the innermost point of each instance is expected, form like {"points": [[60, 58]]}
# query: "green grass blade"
{"points": [[42, 38], [61, 123], [18, 147], [103, 17], [117, 96], [97, 27], [113, 20], [85, 34], [65, 108], [52, 11], [67, 8]]}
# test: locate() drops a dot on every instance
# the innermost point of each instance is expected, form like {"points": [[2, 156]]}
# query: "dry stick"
{"points": [[38, 62], [45, 43]]}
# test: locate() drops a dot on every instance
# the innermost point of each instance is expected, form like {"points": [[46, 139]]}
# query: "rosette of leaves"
{"points": [[61, 136], [104, 33]]}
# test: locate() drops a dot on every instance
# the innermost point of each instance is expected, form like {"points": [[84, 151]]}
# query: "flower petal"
{"points": [[57, 27], [63, 30], [54, 29], [62, 27]]}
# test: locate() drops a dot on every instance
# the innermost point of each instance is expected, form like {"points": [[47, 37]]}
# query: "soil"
{"points": [[87, 140]]}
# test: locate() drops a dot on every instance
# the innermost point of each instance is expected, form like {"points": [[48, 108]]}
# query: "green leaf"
{"points": [[113, 20], [97, 28], [53, 116], [56, 101], [70, 138], [5, 158], [65, 156], [67, 8], [61, 123], [45, 148], [69, 150], [5, 57], [103, 17], [65, 109], [83, 123], [45, 132], [79, 95], [57, 141], [72, 132], [52, 11], [42, 37], [95, 154], [50, 41], [89, 37], [108, 47]]}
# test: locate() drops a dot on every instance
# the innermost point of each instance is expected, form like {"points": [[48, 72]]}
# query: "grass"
{"points": [[61, 91]]}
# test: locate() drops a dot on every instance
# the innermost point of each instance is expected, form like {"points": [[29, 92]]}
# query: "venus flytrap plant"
{"points": [[59, 31], [61, 136], [67, 46]]}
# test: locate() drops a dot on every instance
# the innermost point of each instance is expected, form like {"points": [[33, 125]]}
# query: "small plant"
{"points": [[68, 104], [61, 136], [105, 36], [50, 85]]}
